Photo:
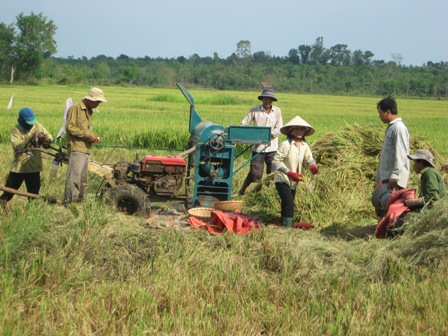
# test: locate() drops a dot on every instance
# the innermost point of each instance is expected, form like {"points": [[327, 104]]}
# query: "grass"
{"points": [[90, 270], [94, 271]]}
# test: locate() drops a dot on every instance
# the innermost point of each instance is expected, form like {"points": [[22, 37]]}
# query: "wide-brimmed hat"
{"points": [[27, 115], [267, 93], [297, 121], [423, 154], [96, 94]]}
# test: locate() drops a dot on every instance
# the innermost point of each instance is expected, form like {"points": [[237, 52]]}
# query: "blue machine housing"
{"points": [[213, 153]]}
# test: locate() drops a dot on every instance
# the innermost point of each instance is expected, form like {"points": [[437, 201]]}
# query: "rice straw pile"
{"points": [[339, 196]]}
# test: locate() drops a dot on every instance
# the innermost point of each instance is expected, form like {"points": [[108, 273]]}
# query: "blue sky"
{"points": [[415, 29]]}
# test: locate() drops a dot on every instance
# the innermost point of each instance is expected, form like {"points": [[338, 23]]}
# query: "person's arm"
{"points": [[308, 159], [278, 162], [248, 118], [429, 190], [430, 186], [48, 134], [275, 130], [74, 118], [279, 157], [43, 135], [21, 141], [401, 145]]}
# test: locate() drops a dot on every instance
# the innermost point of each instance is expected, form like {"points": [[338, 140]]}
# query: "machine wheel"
{"points": [[129, 199]]}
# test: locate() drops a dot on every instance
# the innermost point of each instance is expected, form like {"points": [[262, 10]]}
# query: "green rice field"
{"points": [[151, 118]]}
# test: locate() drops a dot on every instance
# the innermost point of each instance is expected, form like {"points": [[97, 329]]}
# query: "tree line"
{"points": [[27, 49]]}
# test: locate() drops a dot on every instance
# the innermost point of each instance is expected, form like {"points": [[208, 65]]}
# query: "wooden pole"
{"points": [[27, 194]]}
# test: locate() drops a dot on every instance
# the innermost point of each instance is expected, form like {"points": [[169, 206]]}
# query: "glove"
{"points": [[415, 202], [294, 176], [313, 169]]}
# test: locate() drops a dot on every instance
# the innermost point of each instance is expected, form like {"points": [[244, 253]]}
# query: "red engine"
{"points": [[159, 175]]}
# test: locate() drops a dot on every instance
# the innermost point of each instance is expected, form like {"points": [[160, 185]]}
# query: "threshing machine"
{"points": [[212, 155]]}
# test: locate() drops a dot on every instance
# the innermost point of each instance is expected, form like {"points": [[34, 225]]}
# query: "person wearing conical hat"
{"points": [[288, 161], [26, 137], [263, 115]]}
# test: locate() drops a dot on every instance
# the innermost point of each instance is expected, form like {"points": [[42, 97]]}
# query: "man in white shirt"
{"points": [[263, 115], [394, 167]]}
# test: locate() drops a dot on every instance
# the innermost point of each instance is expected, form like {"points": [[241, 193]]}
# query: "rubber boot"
{"points": [[287, 222], [246, 183]]}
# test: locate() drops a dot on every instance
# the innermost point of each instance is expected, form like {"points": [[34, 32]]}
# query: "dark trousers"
{"points": [[257, 166], [287, 198], [15, 180]]}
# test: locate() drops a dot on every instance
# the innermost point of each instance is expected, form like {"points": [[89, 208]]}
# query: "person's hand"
{"points": [[313, 169], [42, 137], [294, 176], [94, 138], [415, 202], [393, 184]]}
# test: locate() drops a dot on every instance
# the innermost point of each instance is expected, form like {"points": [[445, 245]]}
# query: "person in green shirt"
{"points": [[432, 185], [432, 188], [26, 166]]}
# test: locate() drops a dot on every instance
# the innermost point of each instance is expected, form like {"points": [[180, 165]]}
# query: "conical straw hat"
{"points": [[297, 121]]}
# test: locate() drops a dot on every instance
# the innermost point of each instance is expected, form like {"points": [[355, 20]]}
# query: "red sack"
{"points": [[221, 221]]}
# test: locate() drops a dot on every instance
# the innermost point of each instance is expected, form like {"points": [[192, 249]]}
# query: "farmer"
{"points": [[432, 185], [288, 161], [26, 136], [432, 189], [393, 168], [79, 142], [263, 115]]}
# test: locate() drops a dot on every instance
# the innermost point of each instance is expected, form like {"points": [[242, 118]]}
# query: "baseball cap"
{"points": [[28, 116]]}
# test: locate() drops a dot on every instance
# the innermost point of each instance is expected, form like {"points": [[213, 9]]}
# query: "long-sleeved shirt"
{"points": [[432, 185], [260, 117], [394, 163], [79, 128], [290, 157], [31, 160]]}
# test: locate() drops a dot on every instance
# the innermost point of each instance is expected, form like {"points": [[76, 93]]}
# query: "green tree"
{"points": [[35, 38], [244, 49], [244, 53], [339, 55], [6, 50], [361, 58], [317, 51], [304, 51], [293, 56]]}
